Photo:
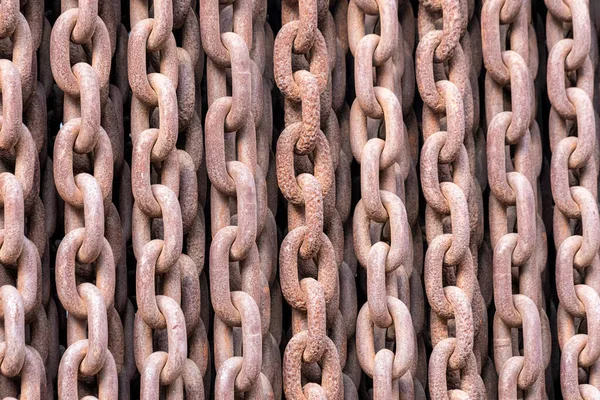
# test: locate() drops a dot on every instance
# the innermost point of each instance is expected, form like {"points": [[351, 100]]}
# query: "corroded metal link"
{"points": [[405, 341]]}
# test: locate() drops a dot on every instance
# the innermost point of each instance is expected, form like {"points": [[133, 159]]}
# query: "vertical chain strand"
{"points": [[382, 234], [24, 346], [239, 274], [167, 231], [306, 157], [451, 191], [573, 141], [83, 173]]}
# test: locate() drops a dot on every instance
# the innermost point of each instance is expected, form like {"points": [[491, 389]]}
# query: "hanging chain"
{"points": [[450, 190], [83, 172], [304, 56], [291, 131], [163, 112], [262, 84], [574, 177], [240, 274], [516, 230], [382, 234], [23, 320]]}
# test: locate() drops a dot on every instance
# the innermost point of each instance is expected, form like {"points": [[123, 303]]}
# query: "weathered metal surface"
{"points": [[400, 199]]}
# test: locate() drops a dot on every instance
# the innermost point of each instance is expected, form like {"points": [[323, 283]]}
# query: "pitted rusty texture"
{"points": [[299, 199], [306, 51], [446, 74]]}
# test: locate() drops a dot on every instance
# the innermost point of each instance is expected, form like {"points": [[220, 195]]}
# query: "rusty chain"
{"points": [[400, 198], [458, 323], [24, 347], [170, 342], [233, 37], [516, 229], [308, 150], [83, 173], [385, 337], [573, 131]]}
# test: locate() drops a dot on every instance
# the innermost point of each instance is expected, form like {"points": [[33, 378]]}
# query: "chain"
{"points": [[119, 118], [305, 54], [451, 193], [23, 319], [574, 178], [83, 172], [240, 273], [382, 233], [262, 84], [516, 230], [163, 111]]}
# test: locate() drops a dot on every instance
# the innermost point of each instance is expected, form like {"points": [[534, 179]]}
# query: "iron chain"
{"points": [[300, 199]]}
